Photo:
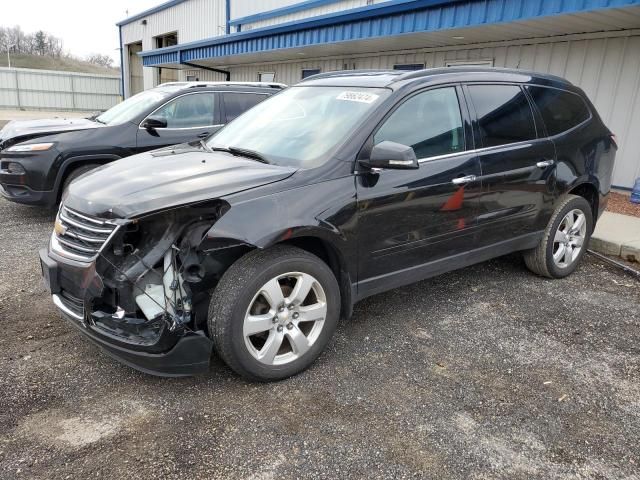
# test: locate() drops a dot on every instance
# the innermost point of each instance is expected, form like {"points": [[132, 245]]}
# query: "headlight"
{"points": [[30, 147]]}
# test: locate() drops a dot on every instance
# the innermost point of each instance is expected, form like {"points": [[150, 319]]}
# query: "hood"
{"points": [[167, 178], [27, 129]]}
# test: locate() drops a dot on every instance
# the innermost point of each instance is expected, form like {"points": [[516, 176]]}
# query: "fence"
{"points": [[27, 89]]}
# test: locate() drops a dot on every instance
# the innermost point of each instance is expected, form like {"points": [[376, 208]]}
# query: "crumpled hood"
{"points": [[166, 178], [37, 128]]}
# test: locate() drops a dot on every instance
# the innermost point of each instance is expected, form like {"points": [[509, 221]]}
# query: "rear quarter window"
{"points": [[560, 110]]}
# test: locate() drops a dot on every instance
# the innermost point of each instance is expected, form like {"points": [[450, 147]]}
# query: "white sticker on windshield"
{"points": [[361, 97]]}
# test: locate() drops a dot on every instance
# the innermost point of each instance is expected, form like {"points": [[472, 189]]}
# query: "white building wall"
{"points": [[193, 20], [311, 12], [606, 67]]}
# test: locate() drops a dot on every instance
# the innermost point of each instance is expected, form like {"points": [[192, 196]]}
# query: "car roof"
{"points": [[397, 78], [172, 87]]}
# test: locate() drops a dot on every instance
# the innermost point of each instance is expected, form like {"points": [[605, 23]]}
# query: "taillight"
{"points": [[614, 139]]}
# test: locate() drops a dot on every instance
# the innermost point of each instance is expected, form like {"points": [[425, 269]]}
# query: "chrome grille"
{"points": [[79, 236]]}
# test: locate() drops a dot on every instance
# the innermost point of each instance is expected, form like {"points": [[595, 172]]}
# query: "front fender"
{"points": [[325, 210]]}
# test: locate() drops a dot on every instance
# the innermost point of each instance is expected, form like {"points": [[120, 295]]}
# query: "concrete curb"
{"points": [[617, 235]]}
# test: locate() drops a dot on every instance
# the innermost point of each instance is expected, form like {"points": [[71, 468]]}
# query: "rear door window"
{"points": [[503, 113], [560, 110], [235, 104], [430, 122]]}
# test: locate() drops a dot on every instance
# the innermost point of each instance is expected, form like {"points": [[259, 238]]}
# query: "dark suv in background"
{"points": [[40, 158], [346, 185]]}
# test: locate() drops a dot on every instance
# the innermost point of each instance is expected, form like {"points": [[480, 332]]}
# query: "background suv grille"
{"points": [[79, 236]]}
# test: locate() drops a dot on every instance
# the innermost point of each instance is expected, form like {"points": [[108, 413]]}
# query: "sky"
{"points": [[85, 26]]}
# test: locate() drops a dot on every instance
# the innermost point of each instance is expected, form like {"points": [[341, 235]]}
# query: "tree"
{"points": [[99, 59], [40, 43]]}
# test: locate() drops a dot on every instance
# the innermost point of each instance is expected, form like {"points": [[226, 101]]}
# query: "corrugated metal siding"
{"points": [[52, 90], [311, 12], [608, 69], [244, 8], [396, 20], [193, 20]]}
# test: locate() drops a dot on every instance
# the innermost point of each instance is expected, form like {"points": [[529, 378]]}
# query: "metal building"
{"points": [[593, 43]]}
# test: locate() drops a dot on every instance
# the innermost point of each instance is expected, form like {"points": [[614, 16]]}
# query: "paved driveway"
{"points": [[489, 372]]}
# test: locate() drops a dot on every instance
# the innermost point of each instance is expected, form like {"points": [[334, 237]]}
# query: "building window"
{"points": [[266, 76], [192, 78], [470, 63], [307, 72], [166, 40], [409, 67]]}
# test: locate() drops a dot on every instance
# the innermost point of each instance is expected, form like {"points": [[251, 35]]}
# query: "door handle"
{"points": [[544, 163], [464, 180], [203, 135]]}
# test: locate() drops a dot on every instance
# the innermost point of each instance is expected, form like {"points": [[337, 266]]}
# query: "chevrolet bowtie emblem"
{"points": [[59, 228]]}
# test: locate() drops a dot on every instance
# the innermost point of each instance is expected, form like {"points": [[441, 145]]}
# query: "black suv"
{"points": [[257, 241], [40, 158]]}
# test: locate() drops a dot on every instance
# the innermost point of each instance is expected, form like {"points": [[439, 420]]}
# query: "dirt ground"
{"points": [[488, 372], [619, 203]]}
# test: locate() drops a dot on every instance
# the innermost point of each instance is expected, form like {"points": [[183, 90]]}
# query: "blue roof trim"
{"points": [[386, 19], [146, 13], [279, 12]]}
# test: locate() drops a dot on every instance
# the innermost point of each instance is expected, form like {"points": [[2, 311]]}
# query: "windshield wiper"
{"points": [[241, 152], [248, 153]]}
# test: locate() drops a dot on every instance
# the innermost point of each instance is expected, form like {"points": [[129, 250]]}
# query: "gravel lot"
{"points": [[489, 372]]}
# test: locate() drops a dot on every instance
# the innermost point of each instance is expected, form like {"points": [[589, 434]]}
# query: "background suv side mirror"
{"points": [[151, 123], [391, 155]]}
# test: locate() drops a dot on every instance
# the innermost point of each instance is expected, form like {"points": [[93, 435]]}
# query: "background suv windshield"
{"points": [[132, 107], [301, 125]]}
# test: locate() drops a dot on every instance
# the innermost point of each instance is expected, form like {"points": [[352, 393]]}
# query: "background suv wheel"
{"points": [[565, 239], [273, 312]]}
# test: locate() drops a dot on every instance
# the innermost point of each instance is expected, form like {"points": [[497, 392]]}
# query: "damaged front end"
{"points": [[140, 288]]}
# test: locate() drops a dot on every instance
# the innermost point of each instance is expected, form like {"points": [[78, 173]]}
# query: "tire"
{"points": [[75, 173], [246, 299], [541, 260]]}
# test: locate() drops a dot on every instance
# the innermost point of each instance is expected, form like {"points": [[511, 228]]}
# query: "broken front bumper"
{"points": [[178, 353]]}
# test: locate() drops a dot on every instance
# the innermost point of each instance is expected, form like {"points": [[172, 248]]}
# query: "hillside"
{"points": [[50, 63]]}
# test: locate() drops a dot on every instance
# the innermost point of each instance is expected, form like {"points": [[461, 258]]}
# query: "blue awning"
{"points": [[376, 21]]}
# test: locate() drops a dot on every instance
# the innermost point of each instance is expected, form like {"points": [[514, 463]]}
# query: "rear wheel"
{"points": [[273, 312], [565, 240]]}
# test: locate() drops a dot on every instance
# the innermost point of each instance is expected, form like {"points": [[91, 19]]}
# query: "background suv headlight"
{"points": [[30, 147]]}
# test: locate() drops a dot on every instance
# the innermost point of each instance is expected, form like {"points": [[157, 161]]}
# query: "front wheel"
{"points": [[273, 312], [565, 239]]}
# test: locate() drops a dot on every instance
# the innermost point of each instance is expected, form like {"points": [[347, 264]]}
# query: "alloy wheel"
{"points": [[285, 318], [569, 238]]}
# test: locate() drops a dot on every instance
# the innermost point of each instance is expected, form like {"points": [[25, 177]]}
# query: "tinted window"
{"points": [[430, 122], [188, 111], [307, 72], [504, 114], [235, 104], [560, 110]]}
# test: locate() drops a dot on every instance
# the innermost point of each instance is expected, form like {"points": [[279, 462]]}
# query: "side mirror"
{"points": [[151, 123], [392, 155]]}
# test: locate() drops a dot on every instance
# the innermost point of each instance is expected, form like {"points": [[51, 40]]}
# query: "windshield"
{"points": [[300, 126], [132, 107]]}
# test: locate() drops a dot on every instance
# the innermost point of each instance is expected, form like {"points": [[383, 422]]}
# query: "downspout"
{"points": [[227, 29], [121, 63]]}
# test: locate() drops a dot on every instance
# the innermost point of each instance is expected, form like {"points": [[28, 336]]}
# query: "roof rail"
{"points": [[214, 84]]}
